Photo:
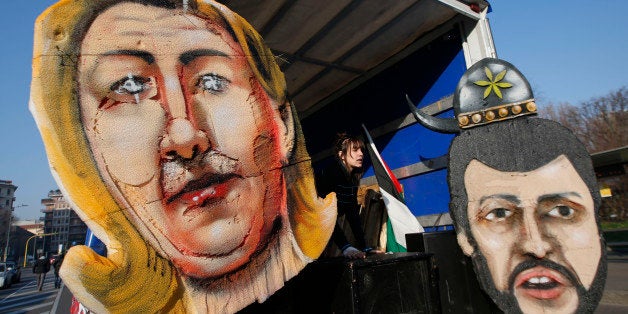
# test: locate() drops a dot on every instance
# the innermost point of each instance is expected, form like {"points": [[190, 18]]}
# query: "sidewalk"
{"points": [[615, 298], [63, 301]]}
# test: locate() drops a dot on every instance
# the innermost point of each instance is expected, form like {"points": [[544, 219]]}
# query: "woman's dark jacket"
{"points": [[335, 178]]}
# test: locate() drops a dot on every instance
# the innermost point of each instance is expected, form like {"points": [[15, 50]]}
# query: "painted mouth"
{"points": [[199, 180], [541, 283], [209, 188]]}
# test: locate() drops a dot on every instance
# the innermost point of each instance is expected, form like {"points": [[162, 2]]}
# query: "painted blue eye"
{"points": [[213, 83], [131, 85]]}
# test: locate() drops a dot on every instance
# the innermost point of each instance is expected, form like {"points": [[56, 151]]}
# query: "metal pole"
{"points": [[35, 249], [6, 248], [26, 248]]}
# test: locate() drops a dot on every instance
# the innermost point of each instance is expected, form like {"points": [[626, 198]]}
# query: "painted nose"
{"points": [[183, 139], [533, 241]]}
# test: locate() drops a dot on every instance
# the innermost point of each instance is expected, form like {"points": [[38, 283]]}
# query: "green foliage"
{"points": [[614, 225]]}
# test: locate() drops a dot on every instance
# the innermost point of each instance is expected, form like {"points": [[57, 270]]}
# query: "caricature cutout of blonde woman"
{"points": [[166, 123]]}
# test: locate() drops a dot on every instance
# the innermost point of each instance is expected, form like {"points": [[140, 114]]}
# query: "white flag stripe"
{"points": [[373, 148], [401, 219]]}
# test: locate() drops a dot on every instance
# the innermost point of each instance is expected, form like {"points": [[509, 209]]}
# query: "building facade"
{"points": [[23, 237], [7, 197], [62, 222]]}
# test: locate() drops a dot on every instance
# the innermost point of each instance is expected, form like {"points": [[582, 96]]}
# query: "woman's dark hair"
{"points": [[343, 144]]}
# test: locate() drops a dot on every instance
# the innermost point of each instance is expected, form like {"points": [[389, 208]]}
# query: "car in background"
{"points": [[6, 276], [16, 270]]}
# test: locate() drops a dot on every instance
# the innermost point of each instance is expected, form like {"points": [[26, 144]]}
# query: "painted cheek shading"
{"points": [[264, 151], [106, 103]]}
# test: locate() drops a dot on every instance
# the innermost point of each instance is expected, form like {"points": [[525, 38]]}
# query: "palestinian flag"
{"points": [[400, 218]]}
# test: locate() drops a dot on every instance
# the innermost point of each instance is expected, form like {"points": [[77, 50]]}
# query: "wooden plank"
{"points": [[302, 21], [322, 87], [366, 19], [410, 25], [256, 12]]}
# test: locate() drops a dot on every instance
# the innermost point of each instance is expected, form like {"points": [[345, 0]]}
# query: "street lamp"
{"points": [[6, 249], [37, 235]]}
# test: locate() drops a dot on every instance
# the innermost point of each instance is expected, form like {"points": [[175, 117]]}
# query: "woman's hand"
{"points": [[353, 253]]}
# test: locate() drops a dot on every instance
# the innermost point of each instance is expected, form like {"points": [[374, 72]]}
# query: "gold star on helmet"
{"points": [[493, 85]]}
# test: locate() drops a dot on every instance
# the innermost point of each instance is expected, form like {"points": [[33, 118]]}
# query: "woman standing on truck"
{"points": [[343, 177]]}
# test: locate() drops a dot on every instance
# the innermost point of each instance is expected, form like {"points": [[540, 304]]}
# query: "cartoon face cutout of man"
{"points": [[526, 214], [537, 231]]}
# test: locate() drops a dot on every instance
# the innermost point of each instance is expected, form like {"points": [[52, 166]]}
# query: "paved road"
{"points": [[23, 297], [615, 298]]}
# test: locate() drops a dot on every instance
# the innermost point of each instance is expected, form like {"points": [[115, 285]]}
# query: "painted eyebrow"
{"points": [[189, 56], [556, 196], [508, 197], [144, 55]]}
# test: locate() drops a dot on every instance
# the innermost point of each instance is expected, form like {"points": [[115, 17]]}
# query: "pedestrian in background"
{"points": [[57, 265], [41, 267]]}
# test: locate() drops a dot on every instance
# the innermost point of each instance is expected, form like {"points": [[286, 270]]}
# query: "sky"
{"points": [[570, 51]]}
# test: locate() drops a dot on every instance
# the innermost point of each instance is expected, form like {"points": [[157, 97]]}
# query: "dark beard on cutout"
{"points": [[588, 300]]}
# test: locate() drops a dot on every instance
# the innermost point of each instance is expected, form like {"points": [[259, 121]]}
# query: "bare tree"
{"points": [[601, 124]]}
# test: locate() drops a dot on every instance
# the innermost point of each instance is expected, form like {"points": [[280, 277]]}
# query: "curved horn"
{"points": [[435, 124]]}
